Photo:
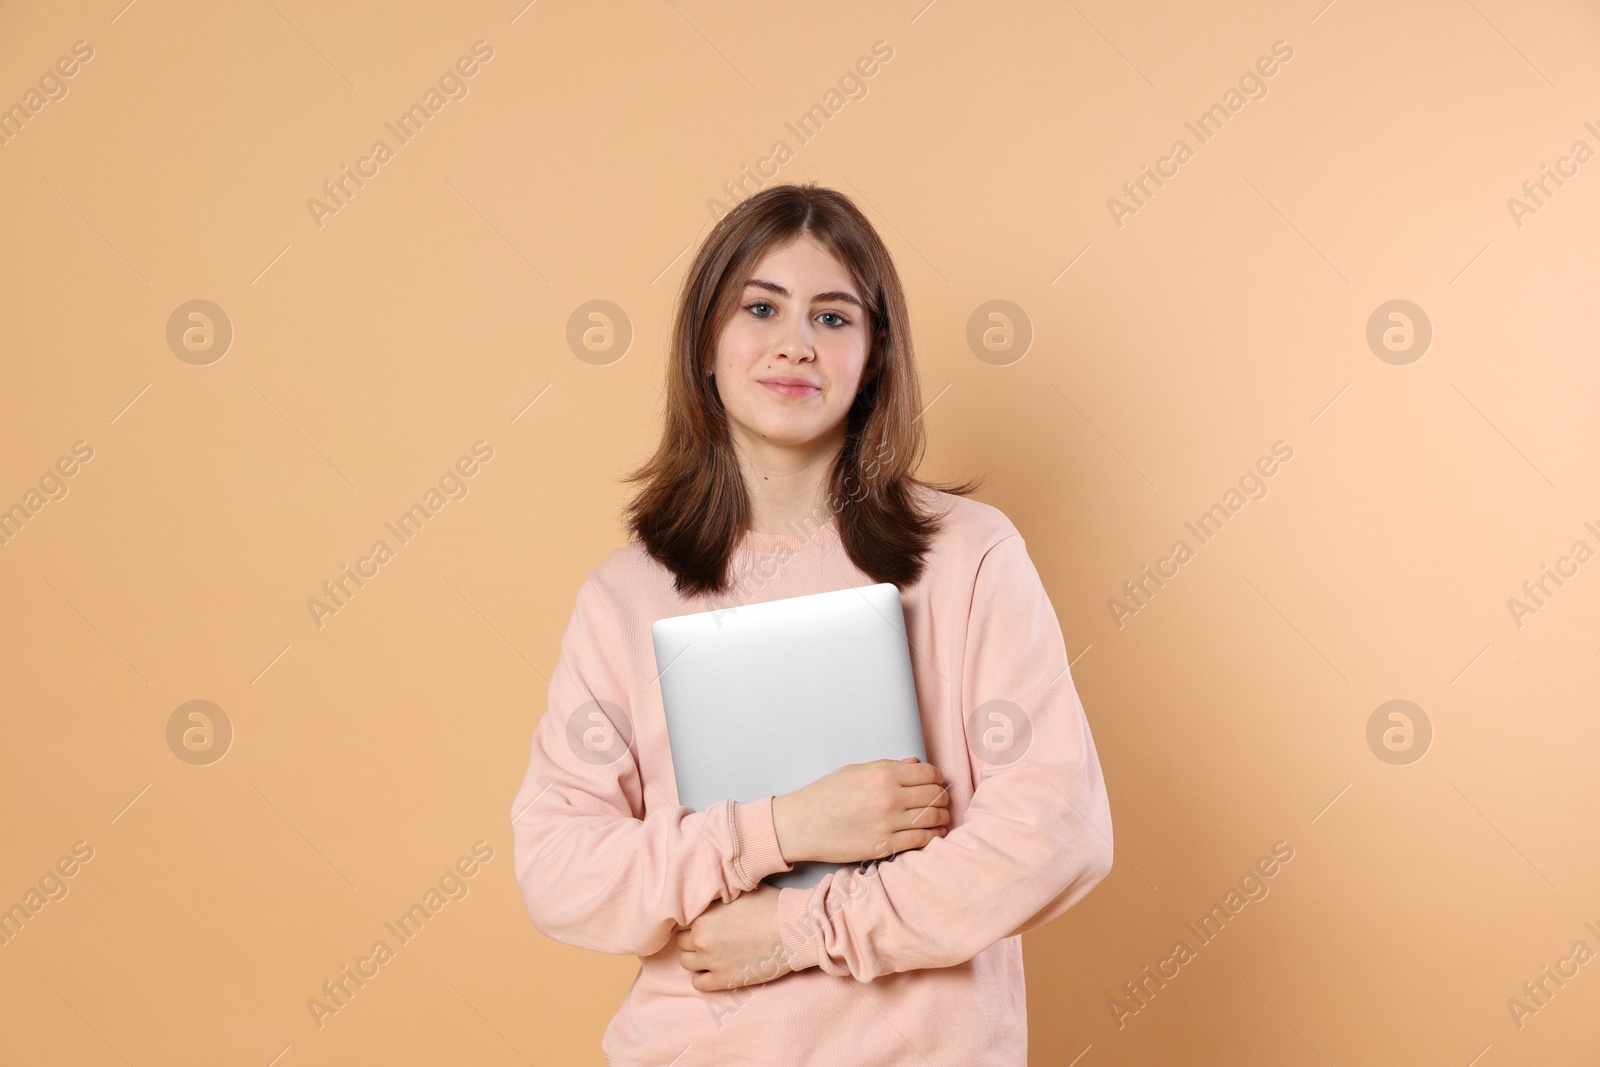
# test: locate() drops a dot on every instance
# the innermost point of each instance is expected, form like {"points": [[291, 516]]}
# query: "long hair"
{"points": [[693, 505]]}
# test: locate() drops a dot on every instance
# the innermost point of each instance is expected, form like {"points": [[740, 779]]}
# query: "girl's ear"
{"points": [[874, 365]]}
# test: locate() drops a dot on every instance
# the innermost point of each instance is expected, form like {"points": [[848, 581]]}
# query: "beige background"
{"points": [[1228, 313]]}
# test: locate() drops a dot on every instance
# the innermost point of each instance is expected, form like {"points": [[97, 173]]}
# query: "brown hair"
{"points": [[693, 505]]}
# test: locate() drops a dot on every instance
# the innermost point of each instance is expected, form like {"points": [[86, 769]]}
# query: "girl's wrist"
{"points": [[789, 843]]}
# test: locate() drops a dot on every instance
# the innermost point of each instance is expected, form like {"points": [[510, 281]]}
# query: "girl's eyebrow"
{"points": [[774, 287]]}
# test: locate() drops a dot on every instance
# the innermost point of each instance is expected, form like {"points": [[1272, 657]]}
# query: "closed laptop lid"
{"points": [[763, 699]]}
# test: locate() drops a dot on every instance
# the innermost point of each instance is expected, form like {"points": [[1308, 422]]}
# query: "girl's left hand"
{"points": [[735, 944]]}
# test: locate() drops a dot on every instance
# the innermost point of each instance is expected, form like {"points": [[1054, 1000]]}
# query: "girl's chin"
{"points": [[790, 434]]}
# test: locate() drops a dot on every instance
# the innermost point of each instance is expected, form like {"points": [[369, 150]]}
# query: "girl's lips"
{"points": [[792, 390]]}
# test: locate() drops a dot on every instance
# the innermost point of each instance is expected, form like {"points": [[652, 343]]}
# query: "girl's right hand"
{"points": [[863, 811]]}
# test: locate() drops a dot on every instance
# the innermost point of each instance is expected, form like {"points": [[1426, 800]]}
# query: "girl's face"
{"points": [[792, 357]]}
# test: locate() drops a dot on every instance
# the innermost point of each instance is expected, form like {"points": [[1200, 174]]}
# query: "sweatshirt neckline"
{"points": [[796, 537]]}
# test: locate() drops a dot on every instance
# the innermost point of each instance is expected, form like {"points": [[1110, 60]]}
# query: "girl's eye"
{"points": [[840, 322]]}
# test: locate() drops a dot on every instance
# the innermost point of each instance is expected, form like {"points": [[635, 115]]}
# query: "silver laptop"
{"points": [[763, 699]]}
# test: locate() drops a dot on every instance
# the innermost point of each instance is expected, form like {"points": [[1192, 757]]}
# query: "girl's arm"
{"points": [[1035, 838], [595, 871]]}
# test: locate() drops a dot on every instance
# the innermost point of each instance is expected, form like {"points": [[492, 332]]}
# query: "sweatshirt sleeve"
{"points": [[1036, 836], [595, 870]]}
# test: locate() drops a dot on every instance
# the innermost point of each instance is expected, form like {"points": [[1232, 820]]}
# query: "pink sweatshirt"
{"points": [[915, 960]]}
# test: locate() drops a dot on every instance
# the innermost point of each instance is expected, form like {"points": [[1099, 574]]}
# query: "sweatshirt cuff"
{"points": [[798, 929], [755, 842]]}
